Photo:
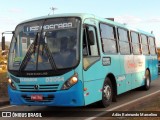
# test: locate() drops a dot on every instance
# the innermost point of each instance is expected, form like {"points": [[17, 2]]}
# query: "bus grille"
{"points": [[39, 88]]}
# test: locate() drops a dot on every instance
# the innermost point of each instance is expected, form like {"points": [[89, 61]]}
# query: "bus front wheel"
{"points": [[107, 93]]}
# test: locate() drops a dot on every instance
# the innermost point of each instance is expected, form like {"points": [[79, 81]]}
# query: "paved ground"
{"points": [[4, 101], [126, 100]]}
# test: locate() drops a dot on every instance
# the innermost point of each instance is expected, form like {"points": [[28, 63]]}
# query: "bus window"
{"points": [[108, 37], [90, 51], [152, 45], [135, 43], [124, 41], [145, 45]]}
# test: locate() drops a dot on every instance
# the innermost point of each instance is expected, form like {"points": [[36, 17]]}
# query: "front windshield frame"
{"points": [[43, 72]]}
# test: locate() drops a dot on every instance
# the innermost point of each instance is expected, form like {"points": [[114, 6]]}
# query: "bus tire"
{"points": [[107, 93], [147, 80]]}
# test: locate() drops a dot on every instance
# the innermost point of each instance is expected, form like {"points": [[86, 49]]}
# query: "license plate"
{"points": [[37, 97]]}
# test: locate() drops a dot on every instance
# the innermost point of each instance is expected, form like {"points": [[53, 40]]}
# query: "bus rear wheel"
{"points": [[147, 80], [107, 93]]}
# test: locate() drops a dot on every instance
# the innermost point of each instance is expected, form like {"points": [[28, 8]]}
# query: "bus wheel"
{"points": [[147, 80], [107, 93]]}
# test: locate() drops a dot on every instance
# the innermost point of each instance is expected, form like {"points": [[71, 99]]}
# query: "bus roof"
{"points": [[125, 26], [86, 15], [81, 15]]}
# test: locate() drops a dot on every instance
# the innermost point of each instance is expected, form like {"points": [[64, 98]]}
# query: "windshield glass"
{"points": [[49, 44]]}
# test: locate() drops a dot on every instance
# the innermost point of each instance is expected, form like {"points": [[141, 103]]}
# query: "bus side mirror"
{"points": [[3, 43], [91, 37]]}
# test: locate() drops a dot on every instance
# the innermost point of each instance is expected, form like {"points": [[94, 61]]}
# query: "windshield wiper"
{"points": [[27, 57], [48, 52], [32, 49], [51, 59]]}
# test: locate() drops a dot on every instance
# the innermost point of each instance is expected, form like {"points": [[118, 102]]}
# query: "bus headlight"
{"points": [[11, 83], [70, 82]]}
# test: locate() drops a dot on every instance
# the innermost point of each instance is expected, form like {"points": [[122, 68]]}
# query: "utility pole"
{"points": [[53, 9]]}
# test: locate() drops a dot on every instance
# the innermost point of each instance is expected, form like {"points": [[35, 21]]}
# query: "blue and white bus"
{"points": [[78, 59]]}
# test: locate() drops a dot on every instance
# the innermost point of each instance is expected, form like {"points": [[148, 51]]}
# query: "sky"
{"points": [[142, 14]]}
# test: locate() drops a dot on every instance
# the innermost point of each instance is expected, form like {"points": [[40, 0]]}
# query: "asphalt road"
{"points": [[81, 113]]}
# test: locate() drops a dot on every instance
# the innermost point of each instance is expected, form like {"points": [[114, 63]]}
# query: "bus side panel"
{"points": [[95, 75], [152, 64], [121, 84], [137, 79], [125, 79], [132, 72], [154, 68], [138, 74], [128, 82], [93, 81], [93, 92]]}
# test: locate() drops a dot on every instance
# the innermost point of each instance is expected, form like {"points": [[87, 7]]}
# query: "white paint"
{"points": [[112, 109], [7, 107], [86, 94], [121, 78], [54, 79], [134, 64], [28, 79], [51, 26]]}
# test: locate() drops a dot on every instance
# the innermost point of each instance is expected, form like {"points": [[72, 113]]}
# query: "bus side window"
{"points": [[108, 37], [90, 47], [124, 41], [145, 46], [136, 43], [152, 45]]}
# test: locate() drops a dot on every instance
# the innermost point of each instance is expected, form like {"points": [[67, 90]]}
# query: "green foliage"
{"points": [[2, 61], [1, 57]]}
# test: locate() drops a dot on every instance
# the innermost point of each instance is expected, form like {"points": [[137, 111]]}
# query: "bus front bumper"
{"points": [[71, 97]]}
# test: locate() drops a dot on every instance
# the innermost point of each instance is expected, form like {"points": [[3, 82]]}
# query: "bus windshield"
{"points": [[49, 44]]}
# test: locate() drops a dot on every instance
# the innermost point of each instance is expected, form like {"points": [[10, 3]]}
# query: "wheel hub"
{"points": [[148, 82], [107, 92]]}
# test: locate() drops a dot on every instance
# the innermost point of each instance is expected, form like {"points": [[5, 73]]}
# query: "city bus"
{"points": [[78, 59]]}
